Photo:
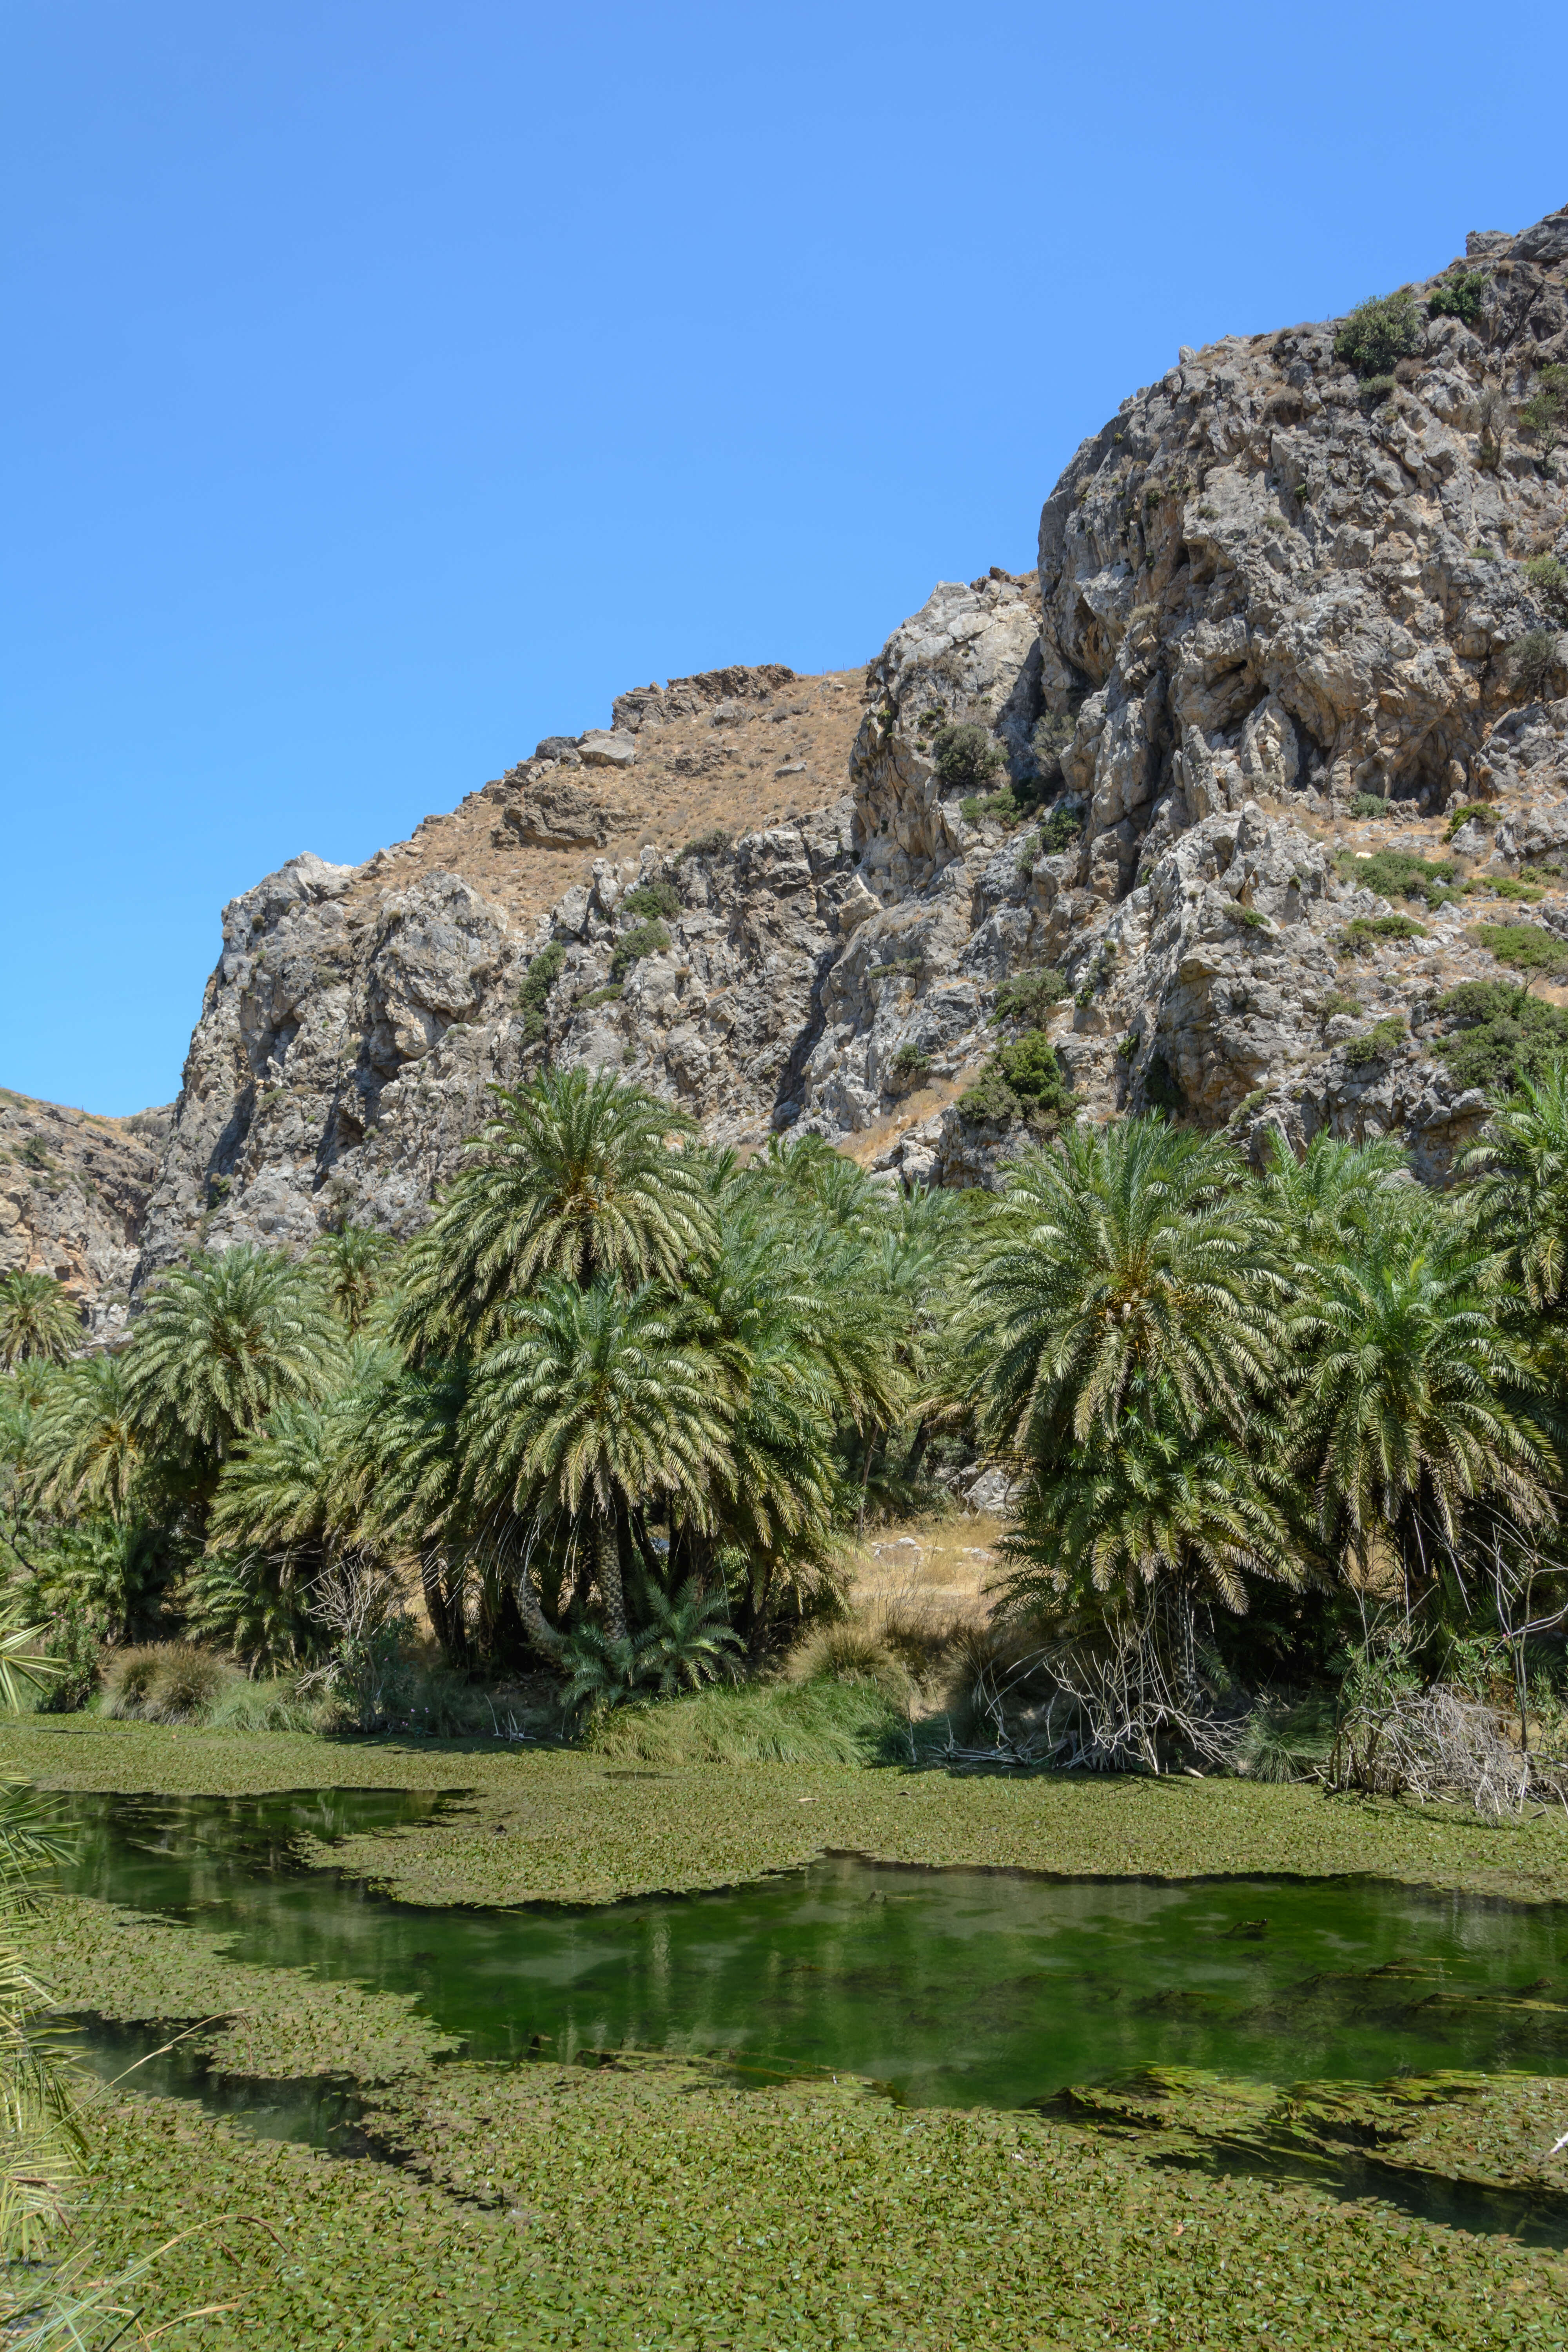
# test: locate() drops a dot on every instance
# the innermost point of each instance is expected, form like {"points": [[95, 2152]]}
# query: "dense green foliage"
{"points": [[1399, 874], [659, 2205], [1458, 297], [1022, 1079], [644, 938], [36, 1320], [1528, 947], [968, 758], [1500, 1036], [1378, 332], [543, 970], [615, 1409], [1028, 996]]}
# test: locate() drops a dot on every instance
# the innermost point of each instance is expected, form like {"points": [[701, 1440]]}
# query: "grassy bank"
{"points": [[567, 1826]]}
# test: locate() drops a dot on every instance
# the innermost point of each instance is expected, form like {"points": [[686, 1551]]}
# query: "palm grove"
{"points": [[616, 1410]]}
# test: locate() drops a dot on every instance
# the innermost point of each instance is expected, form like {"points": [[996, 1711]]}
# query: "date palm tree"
{"points": [[1324, 1202], [579, 1176], [88, 1447], [222, 1342], [351, 1266], [1129, 1258], [1409, 1406], [1522, 1197], [1156, 1502], [37, 1318], [591, 1410]]}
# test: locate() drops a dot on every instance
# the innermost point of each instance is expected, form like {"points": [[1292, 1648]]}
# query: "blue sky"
{"points": [[391, 384]]}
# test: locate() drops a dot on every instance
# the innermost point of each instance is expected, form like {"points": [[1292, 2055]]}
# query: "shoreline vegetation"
{"points": [[563, 1825], [1278, 1451]]}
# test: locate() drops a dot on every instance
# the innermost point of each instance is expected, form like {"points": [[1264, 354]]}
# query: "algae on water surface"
{"points": [[562, 1826]]}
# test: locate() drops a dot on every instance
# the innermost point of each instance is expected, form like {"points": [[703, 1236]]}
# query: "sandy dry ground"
{"points": [[941, 1564]]}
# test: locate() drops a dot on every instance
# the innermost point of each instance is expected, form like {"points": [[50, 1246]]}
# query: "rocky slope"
{"points": [[74, 1189], [1272, 597]]}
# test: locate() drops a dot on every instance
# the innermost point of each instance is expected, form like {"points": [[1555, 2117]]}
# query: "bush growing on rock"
{"points": [[543, 970], [653, 898], [708, 844], [1549, 579], [1459, 297], [1049, 738], [1061, 829], [1360, 936], [1524, 945], [642, 939], [1022, 1079], [1546, 410], [1471, 812], [1009, 806], [1534, 664], [967, 758], [1375, 1044], [1380, 331], [1028, 996], [1498, 1036], [1400, 873]]}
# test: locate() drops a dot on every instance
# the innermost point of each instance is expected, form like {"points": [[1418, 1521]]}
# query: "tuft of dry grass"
{"points": [[165, 1681]]}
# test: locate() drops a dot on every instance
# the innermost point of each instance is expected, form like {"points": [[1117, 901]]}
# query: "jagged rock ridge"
{"points": [[1263, 591], [74, 1188]]}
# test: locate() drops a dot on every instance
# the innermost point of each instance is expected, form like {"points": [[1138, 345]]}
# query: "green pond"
{"points": [[950, 1987]]}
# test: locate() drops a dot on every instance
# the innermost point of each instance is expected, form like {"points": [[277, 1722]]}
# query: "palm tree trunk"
{"points": [[434, 1599], [535, 1624], [608, 1571]]}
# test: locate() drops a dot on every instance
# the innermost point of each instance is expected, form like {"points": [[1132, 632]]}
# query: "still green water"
{"points": [[952, 1987]]}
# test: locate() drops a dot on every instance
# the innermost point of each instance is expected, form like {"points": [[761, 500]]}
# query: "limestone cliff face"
{"points": [[73, 1194], [1264, 591]]}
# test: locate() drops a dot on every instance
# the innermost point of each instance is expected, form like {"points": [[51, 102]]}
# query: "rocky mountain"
{"points": [[1138, 828], [74, 1189]]}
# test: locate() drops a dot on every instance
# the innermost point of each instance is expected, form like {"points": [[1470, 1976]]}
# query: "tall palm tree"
{"points": [[88, 1447], [576, 1177], [1325, 1200], [1408, 1407], [37, 1318], [407, 1450], [593, 1411], [1522, 1158], [222, 1342], [352, 1265], [1129, 1256]]}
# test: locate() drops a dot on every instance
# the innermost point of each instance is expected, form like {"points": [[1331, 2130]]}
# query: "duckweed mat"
{"points": [[655, 2207], [560, 1826]]}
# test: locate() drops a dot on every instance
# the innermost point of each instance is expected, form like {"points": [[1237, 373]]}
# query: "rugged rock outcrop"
{"points": [[1276, 627], [73, 1195]]}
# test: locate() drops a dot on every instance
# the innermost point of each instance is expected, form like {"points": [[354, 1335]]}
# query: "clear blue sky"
{"points": [[390, 385]]}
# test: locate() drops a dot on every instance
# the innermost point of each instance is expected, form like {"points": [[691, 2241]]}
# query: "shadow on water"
{"points": [[953, 1988]]}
